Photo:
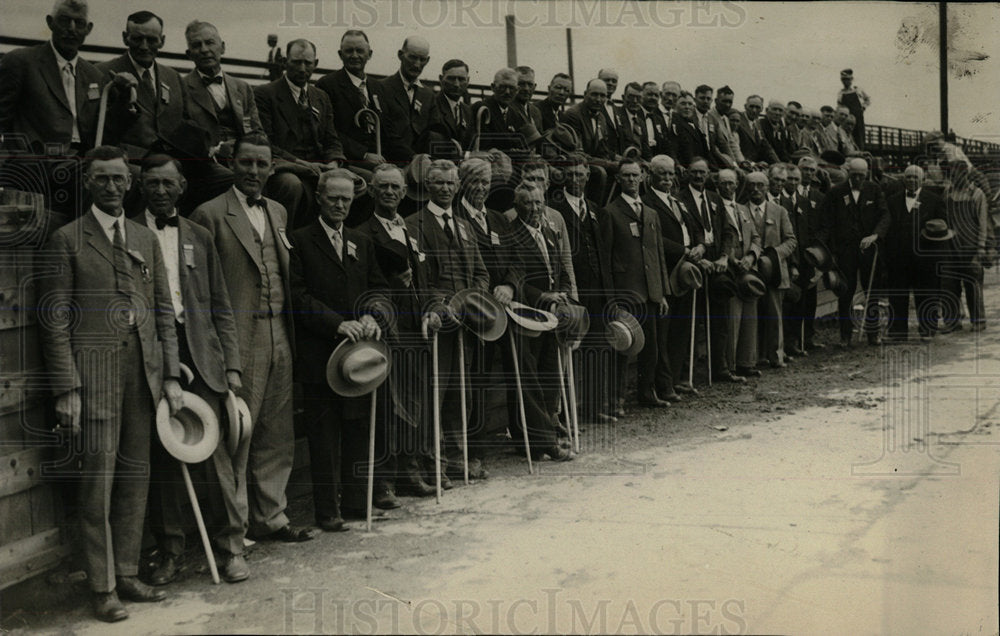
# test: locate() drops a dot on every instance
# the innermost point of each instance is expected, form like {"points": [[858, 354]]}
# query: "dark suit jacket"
{"points": [[753, 144], [638, 265], [802, 214], [33, 102], [242, 270], [393, 259], [209, 324], [80, 275], [903, 243], [158, 113], [689, 141], [717, 215], [587, 284], [495, 248], [442, 127], [603, 144], [293, 135], [537, 278], [737, 249], [403, 123], [503, 130], [346, 102], [778, 138], [671, 227], [326, 291], [550, 113], [199, 106], [844, 224], [448, 270]]}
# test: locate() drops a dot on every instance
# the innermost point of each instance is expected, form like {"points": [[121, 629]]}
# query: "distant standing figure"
{"points": [[857, 101], [275, 58]]}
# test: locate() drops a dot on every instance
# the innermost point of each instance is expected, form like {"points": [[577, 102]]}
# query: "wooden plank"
{"points": [[16, 306], [21, 471], [15, 517], [20, 391], [20, 349], [43, 507], [30, 556]]}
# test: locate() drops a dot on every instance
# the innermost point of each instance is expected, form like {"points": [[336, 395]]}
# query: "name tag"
{"points": [[284, 238], [189, 255], [462, 233], [93, 91], [413, 245], [164, 93], [352, 250], [847, 199], [494, 238], [417, 105], [635, 228]]}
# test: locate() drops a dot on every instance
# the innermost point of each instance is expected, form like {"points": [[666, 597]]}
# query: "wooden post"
{"points": [[943, 62], [511, 42], [569, 61]]}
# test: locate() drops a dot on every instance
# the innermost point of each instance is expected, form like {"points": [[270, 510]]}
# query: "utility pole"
{"points": [[569, 58], [511, 42], [943, 62]]}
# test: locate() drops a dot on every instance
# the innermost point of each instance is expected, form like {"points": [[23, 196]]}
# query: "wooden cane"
{"points": [[694, 298], [708, 333], [437, 418], [205, 543], [520, 402], [572, 400], [868, 292], [561, 370], [371, 460], [465, 415], [376, 122]]}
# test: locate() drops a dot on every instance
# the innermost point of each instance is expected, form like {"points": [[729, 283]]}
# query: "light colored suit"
{"points": [[775, 229]]}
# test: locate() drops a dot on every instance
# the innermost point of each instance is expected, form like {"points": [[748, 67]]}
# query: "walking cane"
{"points": [[868, 292], [572, 400], [520, 402], [436, 411], [708, 333], [371, 460], [561, 370], [482, 119], [465, 415], [694, 297], [376, 123], [133, 97], [205, 543]]}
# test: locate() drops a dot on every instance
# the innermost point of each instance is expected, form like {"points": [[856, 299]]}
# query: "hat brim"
{"points": [[750, 287], [633, 326], [338, 384], [530, 321], [240, 425], [457, 304], [176, 431], [950, 234], [574, 323], [679, 287]]}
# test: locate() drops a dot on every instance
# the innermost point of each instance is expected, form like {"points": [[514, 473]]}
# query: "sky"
{"points": [[779, 50]]}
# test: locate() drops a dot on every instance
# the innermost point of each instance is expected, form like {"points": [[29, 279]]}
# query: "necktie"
{"points": [[123, 271], [363, 90], [706, 219], [69, 85], [397, 221], [303, 99], [536, 233], [147, 81], [636, 128], [162, 222], [447, 227], [211, 80], [338, 244], [458, 113]]}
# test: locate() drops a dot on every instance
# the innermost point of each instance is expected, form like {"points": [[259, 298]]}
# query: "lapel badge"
{"points": [[93, 91]]}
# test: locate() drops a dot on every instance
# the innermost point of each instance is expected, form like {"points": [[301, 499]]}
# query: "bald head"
{"points": [[413, 57], [610, 78]]}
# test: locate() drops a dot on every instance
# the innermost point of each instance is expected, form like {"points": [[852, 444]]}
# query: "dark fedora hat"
{"points": [[937, 230], [832, 157], [624, 333], [769, 267], [793, 294], [574, 322], [240, 424], [357, 368], [479, 312], [818, 255], [749, 286], [684, 277], [562, 137], [530, 321], [191, 434], [721, 285], [836, 282]]}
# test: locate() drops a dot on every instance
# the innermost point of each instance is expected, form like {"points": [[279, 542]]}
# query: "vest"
{"points": [[272, 294], [229, 129]]}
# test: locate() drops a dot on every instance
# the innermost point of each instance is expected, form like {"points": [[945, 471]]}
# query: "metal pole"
{"points": [[943, 62], [569, 61], [511, 42]]}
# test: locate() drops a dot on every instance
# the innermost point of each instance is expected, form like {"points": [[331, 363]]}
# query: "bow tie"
{"points": [[211, 80], [397, 221], [258, 202], [170, 220]]}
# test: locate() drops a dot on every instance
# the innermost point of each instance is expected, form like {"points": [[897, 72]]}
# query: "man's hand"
{"points": [[68, 409], [868, 241], [721, 264], [433, 322], [332, 165], [353, 330], [664, 307], [174, 394], [697, 252], [547, 299], [234, 381], [372, 330], [746, 263], [374, 158], [504, 294]]}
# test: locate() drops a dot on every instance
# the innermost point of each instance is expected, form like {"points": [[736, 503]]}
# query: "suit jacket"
{"points": [[242, 270], [158, 113], [719, 131], [753, 145], [550, 113], [779, 138], [327, 290], [775, 229], [293, 135], [673, 220], [845, 223], [587, 284], [503, 130], [802, 214], [448, 269], [209, 324], [903, 243], [403, 123], [602, 144], [690, 141], [393, 259], [77, 347], [638, 265], [200, 107], [537, 276], [717, 215], [495, 248], [345, 99], [530, 114], [637, 136], [665, 144], [33, 102], [747, 239], [443, 127], [556, 224]]}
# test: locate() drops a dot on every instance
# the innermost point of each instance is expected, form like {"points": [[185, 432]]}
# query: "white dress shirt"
{"points": [[336, 236], [169, 247], [217, 91], [700, 200], [396, 231], [107, 223], [911, 201], [478, 215], [69, 85], [254, 213], [439, 213]]}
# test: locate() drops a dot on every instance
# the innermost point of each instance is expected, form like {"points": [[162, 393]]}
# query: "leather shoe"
{"points": [[794, 351], [556, 454], [746, 372], [686, 388], [165, 572], [131, 588], [476, 469], [332, 524], [384, 498], [414, 486], [605, 418], [727, 376], [288, 534], [234, 569], [778, 365], [652, 402], [108, 608], [815, 345]]}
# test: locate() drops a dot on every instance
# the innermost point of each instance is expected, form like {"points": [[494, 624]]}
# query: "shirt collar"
{"points": [[437, 210], [574, 200], [151, 220], [407, 84], [474, 212], [664, 196], [242, 198], [388, 223], [696, 193], [630, 200], [357, 81], [207, 77], [916, 195], [329, 230], [107, 221], [139, 70], [295, 89], [60, 60]]}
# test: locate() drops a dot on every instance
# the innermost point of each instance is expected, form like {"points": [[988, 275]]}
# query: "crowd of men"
{"points": [[245, 233]]}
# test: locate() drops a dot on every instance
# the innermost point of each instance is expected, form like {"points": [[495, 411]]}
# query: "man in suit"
{"points": [[741, 354], [856, 101], [49, 102], [551, 108], [800, 317], [223, 106], [588, 121], [775, 230], [526, 111], [107, 333], [777, 136], [452, 263], [333, 271], [910, 261], [657, 131], [588, 230], [716, 139], [639, 272], [753, 145], [298, 120], [503, 131], [403, 102], [725, 153], [690, 141], [612, 113], [249, 232], [349, 91], [208, 344], [853, 218], [669, 92], [633, 132], [829, 128], [406, 434], [680, 242], [450, 127], [794, 125]]}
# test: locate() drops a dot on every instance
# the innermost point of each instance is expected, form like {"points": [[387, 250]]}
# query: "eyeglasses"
{"points": [[119, 180]]}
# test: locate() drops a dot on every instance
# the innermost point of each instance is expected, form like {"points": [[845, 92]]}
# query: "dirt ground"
{"points": [[853, 492]]}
